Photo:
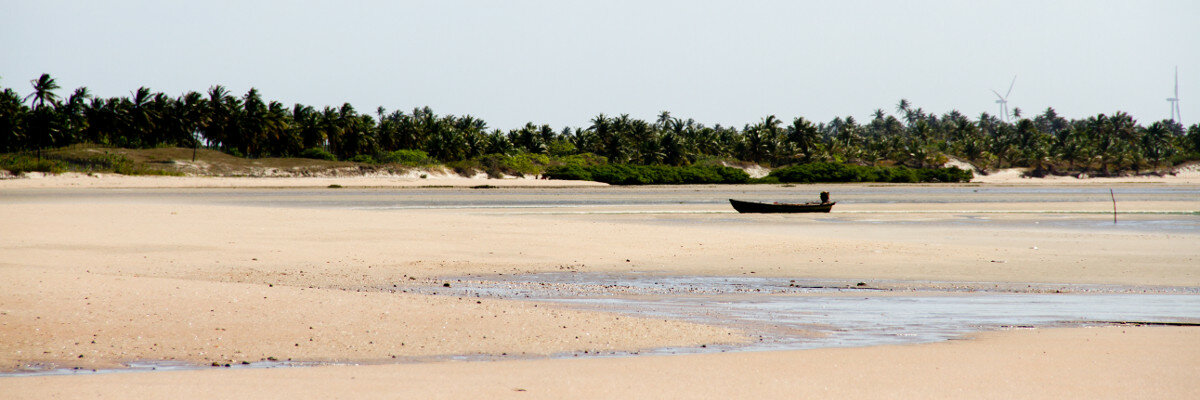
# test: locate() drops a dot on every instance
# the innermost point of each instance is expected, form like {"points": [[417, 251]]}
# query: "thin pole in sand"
{"points": [[1114, 199]]}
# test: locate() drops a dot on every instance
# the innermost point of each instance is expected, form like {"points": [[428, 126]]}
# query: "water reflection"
{"points": [[801, 314]]}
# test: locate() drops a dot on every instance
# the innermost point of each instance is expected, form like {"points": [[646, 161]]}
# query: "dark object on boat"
{"points": [[745, 207]]}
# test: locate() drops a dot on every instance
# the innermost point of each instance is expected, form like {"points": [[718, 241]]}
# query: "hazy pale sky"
{"points": [[562, 62]]}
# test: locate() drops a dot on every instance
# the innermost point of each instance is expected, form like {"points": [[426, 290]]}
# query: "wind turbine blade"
{"points": [[1010, 86], [998, 95], [1176, 83]]}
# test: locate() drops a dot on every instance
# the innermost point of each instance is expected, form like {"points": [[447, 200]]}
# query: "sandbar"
{"points": [[101, 276]]}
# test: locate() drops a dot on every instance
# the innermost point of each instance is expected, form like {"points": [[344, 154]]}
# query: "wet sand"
{"points": [[1095, 363], [156, 275]]}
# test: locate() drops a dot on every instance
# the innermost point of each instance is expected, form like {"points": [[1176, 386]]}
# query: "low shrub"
{"points": [[84, 163], [623, 174], [582, 160], [21, 163], [362, 158], [405, 156], [836, 172], [498, 165], [524, 164], [765, 180], [569, 172], [318, 154]]}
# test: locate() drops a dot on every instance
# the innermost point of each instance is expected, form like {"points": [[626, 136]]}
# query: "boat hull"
{"points": [[750, 207]]}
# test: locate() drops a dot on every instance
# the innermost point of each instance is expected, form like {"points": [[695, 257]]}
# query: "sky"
{"points": [[563, 62]]}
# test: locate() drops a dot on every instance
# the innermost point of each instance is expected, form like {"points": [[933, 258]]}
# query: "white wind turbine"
{"points": [[1003, 100], [1175, 115]]}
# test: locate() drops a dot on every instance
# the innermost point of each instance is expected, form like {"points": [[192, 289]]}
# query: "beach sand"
{"points": [[78, 180], [1094, 363], [155, 276]]}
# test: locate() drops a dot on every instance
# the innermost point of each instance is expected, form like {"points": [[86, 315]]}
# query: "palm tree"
{"points": [[803, 135], [254, 124], [847, 137], [546, 136], [761, 139], [43, 91], [72, 116], [1156, 143], [12, 115], [304, 121], [902, 106], [1031, 144], [664, 117], [671, 150], [497, 143], [645, 143], [1125, 131], [218, 116], [188, 116], [1192, 138], [141, 117], [1074, 148], [607, 139], [43, 116], [1052, 124]]}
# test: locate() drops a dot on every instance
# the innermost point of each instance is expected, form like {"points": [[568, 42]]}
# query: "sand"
{"points": [[77, 180], [98, 321], [1183, 175], [151, 276], [1095, 363]]}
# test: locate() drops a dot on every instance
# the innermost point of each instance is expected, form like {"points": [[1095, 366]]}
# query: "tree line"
{"points": [[250, 126]]}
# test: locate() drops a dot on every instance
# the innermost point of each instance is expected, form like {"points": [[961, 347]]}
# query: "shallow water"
{"points": [[689, 204], [782, 322], [151, 366], [779, 314], [793, 314], [785, 314], [407, 198]]}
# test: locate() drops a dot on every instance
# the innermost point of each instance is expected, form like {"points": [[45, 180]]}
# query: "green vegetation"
{"points": [[84, 162], [317, 154], [521, 164], [362, 158], [626, 174], [22, 163], [518, 164], [834, 172], [251, 126], [405, 156]]}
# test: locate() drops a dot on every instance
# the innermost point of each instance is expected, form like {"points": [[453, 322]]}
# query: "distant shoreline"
{"points": [[116, 181]]}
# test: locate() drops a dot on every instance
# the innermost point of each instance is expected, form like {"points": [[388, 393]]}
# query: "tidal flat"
{"points": [[101, 278]]}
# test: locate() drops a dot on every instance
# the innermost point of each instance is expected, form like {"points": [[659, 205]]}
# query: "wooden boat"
{"points": [[745, 207]]}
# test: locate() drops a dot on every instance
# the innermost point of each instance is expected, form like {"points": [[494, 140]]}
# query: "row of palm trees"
{"points": [[250, 126]]}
